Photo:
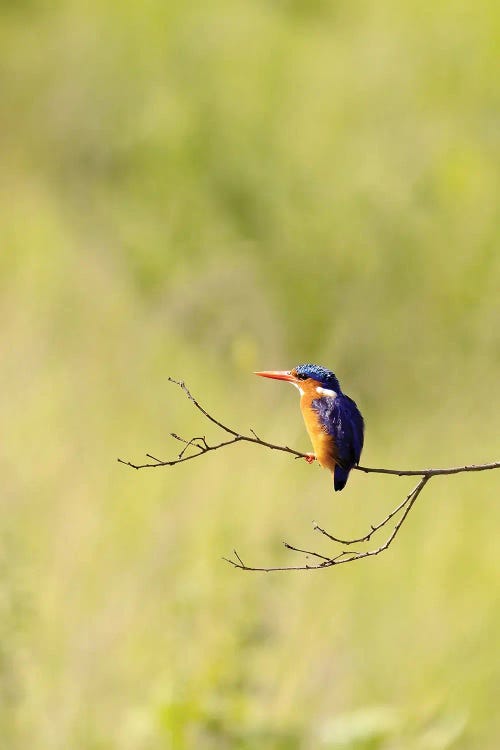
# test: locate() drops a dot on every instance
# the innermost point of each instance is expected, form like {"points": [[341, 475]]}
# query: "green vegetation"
{"points": [[200, 190]]}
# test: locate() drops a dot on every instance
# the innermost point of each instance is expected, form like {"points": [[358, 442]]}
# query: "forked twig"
{"points": [[344, 556], [202, 447]]}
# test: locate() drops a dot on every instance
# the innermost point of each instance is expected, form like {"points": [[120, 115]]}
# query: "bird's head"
{"points": [[306, 378]]}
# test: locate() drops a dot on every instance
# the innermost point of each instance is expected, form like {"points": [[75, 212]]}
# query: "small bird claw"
{"points": [[310, 458]]}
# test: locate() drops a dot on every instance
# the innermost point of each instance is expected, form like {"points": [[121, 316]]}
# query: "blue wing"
{"points": [[341, 418]]}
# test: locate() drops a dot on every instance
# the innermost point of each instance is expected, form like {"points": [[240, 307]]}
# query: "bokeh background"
{"points": [[198, 190]]}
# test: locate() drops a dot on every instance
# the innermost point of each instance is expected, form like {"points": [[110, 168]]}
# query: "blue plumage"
{"points": [[341, 418]]}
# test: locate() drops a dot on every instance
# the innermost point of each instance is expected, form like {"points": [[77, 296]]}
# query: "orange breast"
{"points": [[324, 448]]}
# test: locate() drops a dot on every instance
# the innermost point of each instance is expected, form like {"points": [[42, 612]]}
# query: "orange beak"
{"points": [[277, 375]]}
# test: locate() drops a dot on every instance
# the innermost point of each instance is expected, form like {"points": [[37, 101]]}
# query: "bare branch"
{"points": [[305, 551], [202, 447], [190, 396], [344, 556], [430, 472], [373, 528], [238, 437]]}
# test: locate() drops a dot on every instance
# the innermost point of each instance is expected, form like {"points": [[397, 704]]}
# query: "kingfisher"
{"points": [[332, 419]]}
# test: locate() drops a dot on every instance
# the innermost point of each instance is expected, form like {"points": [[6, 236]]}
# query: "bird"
{"points": [[332, 419]]}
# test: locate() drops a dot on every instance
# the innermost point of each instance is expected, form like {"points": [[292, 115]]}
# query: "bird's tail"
{"points": [[340, 476]]}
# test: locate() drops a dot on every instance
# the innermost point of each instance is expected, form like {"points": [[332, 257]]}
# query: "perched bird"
{"points": [[332, 419]]}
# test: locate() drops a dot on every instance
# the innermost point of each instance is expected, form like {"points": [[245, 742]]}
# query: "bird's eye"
{"points": [[301, 376]]}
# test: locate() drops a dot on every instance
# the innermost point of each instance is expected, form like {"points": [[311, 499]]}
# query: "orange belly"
{"points": [[324, 448]]}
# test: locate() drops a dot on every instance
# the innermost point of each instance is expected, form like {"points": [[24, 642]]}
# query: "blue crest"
{"points": [[326, 377]]}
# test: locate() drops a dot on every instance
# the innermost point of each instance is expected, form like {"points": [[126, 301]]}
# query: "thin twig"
{"points": [[430, 472], [305, 551], [346, 555], [373, 528]]}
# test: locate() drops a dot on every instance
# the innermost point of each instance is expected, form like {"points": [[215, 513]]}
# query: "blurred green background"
{"points": [[200, 190]]}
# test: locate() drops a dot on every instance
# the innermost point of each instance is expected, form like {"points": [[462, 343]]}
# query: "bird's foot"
{"points": [[310, 458]]}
